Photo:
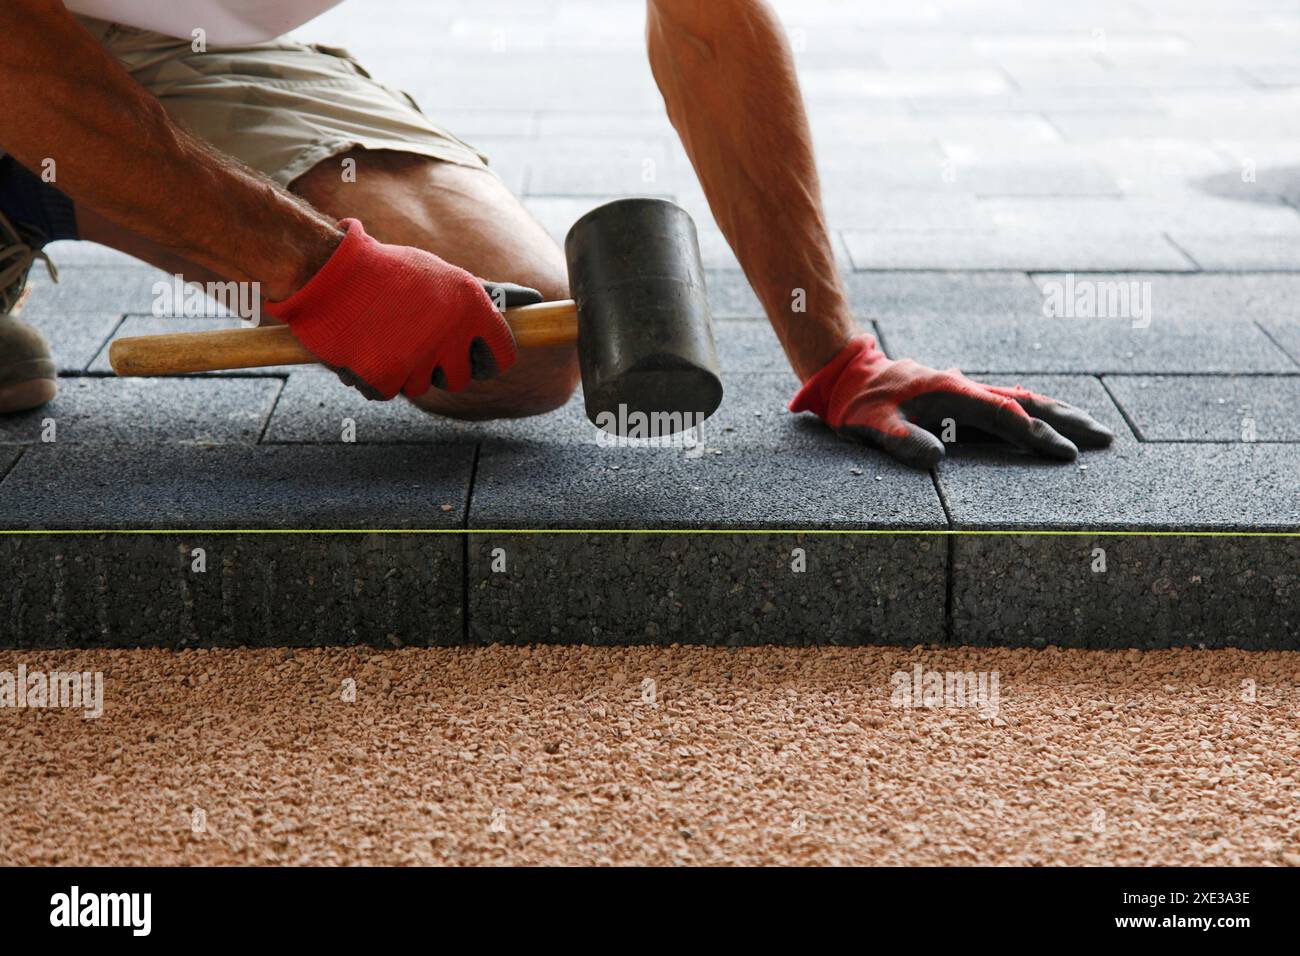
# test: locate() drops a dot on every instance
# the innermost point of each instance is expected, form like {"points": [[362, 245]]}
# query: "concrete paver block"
{"points": [[1217, 297], [94, 290], [142, 410], [1241, 253], [731, 296], [1131, 486], [1082, 391], [954, 296], [1139, 590], [1286, 333], [256, 588], [80, 254], [1087, 345], [186, 486], [734, 587], [1043, 251], [1210, 408], [1154, 592], [1176, 211], [1068, 178], [315, 408], [1039, 102], [706, 589], [75, 338], [8, 456]]}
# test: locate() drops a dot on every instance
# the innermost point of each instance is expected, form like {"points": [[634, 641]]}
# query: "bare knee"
{"points": [[466, 216], [541, 380]]}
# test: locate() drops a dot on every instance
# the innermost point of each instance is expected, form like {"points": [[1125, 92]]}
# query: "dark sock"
{"points": [[29, 202]]}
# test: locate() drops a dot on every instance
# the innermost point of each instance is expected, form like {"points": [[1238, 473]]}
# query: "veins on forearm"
{"points": [[753, 155]]}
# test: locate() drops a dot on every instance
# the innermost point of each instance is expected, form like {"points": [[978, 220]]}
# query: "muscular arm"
{"points": [[729, 83], [117, 152]]}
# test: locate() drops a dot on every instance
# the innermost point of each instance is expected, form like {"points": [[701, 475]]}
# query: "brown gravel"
{"points": [[559, 755]]}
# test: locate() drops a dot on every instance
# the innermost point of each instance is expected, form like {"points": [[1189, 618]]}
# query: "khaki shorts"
{"points": [[280, 107]]}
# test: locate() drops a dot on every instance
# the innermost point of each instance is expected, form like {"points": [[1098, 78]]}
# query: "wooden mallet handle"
{"points": [[534, 326]]}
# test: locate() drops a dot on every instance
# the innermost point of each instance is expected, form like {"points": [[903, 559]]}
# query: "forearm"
{"points": [[729, 84], [117, 152]]}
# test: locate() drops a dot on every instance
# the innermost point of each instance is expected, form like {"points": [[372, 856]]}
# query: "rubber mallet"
{"points": [[639, 314]]}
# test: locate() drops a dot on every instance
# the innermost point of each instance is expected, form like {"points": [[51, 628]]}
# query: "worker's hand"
{"points": [[891, 404], [392, 319]]}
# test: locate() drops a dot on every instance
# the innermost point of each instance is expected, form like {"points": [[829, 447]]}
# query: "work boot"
{"points": [[28, 378]]}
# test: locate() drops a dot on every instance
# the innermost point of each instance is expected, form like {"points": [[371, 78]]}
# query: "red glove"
{"points": [[891, 404], [394, 318]]}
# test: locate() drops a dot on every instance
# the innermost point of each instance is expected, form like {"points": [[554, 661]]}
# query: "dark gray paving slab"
{"points": [[75, 338], [1241, 252], [706, 589], [171, 486], [315, 409], [955, 296], [1131, 486], [85, 590], [749, 347], [1022, 251], [94, 291], [1155, 590], [1082, 391], [1242, 297], [731, 296], [133, 325], [9, 455], [716, 253], [1167, 344], [1286, 333], [136, 410], [256, 590], [629, 587], [951, 295], [1210, 408]]}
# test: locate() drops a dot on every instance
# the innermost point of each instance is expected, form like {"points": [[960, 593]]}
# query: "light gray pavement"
{"points": [[1100, 200]]}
